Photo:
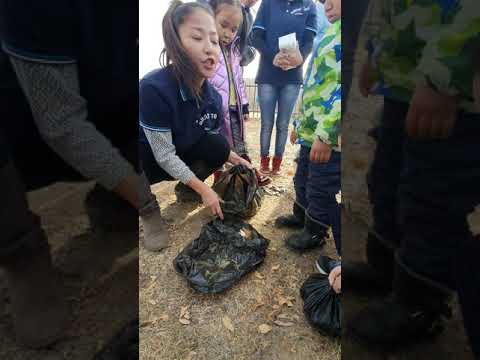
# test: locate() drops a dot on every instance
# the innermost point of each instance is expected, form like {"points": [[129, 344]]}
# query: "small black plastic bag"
{"points": [[221, 255], [321, 305], [239, 191]]}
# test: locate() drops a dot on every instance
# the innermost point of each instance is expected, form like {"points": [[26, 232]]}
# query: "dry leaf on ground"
{"points": [[184, 321], [183, 311], [264, 329], [283, 323], [259, 276], [227, 322]]}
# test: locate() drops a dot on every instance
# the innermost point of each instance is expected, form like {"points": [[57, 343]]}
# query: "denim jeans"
{"points": [[269, 96], [316, 187]]}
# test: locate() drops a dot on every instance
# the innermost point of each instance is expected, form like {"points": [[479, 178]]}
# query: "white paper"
{"points": [[287, 42]]}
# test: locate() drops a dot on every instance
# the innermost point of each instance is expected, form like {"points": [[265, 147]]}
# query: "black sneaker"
{"points": [[304, 240]]}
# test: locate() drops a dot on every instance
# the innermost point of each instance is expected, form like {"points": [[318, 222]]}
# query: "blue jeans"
{"points": [[316, 187], [269, 96]]}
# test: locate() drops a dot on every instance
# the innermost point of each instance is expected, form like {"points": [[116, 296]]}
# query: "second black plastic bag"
{"points": [[321, 305], [223, 253], [239, 191]]}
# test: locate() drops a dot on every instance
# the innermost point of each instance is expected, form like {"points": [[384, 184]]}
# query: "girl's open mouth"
{"points": [[209, 64]]}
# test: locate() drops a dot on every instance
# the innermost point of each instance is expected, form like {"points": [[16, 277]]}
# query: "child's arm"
{"points": [[61, 116], [165, 154], [444, 83], [452, 42]]}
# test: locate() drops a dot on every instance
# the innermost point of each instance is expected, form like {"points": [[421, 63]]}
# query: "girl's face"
{"points": [[333, 10], [200, 40], [228, 20]]}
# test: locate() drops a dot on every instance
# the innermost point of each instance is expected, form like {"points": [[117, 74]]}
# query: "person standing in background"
{"points": [[248, 53], [280, 75]]}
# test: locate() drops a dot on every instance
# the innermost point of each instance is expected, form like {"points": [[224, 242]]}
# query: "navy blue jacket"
{"points": [[275, 19], [166, 105]]}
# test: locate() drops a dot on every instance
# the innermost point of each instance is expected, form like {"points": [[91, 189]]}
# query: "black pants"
{"points": [[352, 19], [383, 178], [433, 185], [18, 223], [440, 187], [212, 150]]}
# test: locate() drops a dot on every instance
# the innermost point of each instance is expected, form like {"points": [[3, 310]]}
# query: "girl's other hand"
{"points": [[246, 117], [295, 58], [335, 279], [235, 159], [212, 201], [280, 60]]}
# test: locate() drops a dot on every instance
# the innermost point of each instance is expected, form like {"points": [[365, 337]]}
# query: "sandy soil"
{"points": [[101, 302], [261, 296]]}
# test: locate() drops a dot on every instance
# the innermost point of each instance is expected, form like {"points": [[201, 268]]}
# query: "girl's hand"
{"points": [[246, 118], [235, 159], [211, 200], [295, 58], [335, 279], [366, 79], [320, 152], [293, 137], [431, 115], [280, 60]]}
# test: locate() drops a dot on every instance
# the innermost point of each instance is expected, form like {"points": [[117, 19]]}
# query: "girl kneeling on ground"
{"points": [[180, 112]]}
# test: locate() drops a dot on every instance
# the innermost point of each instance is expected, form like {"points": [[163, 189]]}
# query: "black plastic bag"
{"points": [[123, 346], [239, 191], [321, 305], [221, 255]]}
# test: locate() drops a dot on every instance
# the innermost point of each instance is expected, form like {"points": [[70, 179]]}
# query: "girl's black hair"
{"points": [[174, 53], [242, 33]]}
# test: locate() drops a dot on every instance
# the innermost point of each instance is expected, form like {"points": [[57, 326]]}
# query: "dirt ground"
{"points": [[101, 302], [259, 298]]}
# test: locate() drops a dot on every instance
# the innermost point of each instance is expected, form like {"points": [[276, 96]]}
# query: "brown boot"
{"points": [[265, 164], [155, 232], [38, 305], [276, 163]]}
